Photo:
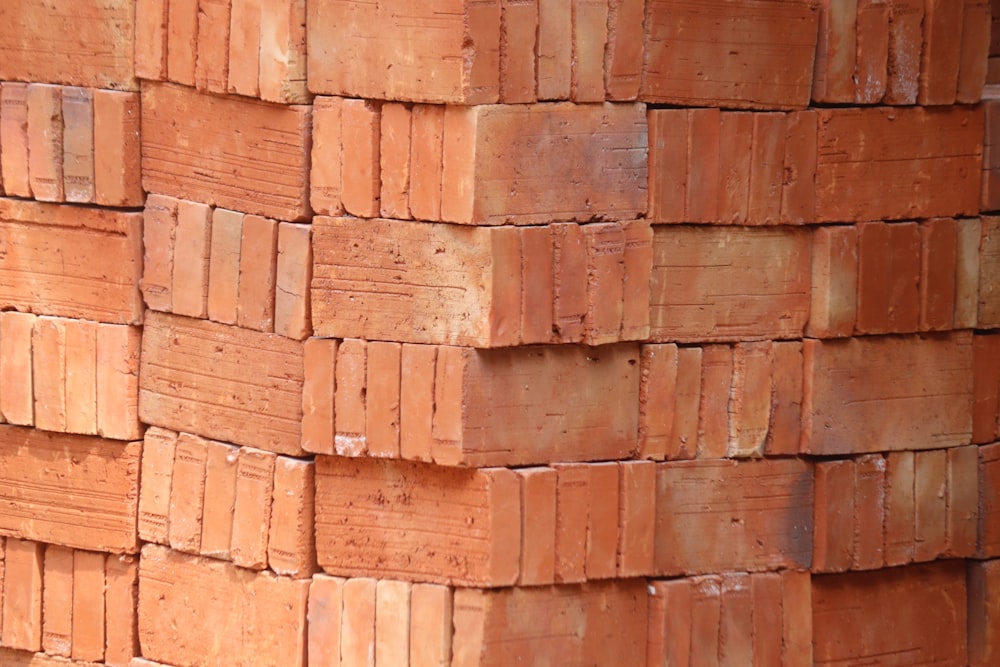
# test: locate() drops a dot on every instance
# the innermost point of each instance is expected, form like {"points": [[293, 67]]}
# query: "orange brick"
{"points": [[81, 377], [283, 51], [426, 161], [393, 154], [48, 369], [605, 247], [416, 401], [177, 590], [590, 37], [602, 521], [834, 282], [750, 398], [938, 253], [767, 161], [159, 231], [569, 282], [746, 537], [57, 601], [14, 138], [16, 380], [905, 43], [572, 520], [254, 398], [224, 266], [158, 451], [22, 600], [382, 398], [351, 419], [538, 284], [392, 622], [118, 381], [211, 67], [555, 49], [189, 279], [869, 512], [121, 609], [538, 525], [638, 267], [637, 517], [689, 303], [449, 405], [45, 142], [975, 43], [693, 51], [703, 168], [220, 499], [623, 70], [326, 607], [873, 51], [669, 634], [262, 150], [962, 505], [984, 607], [430, 625], [798, 192], [797, 618], [853, 390], [941, 55], [834, 546], [836, 52], [151, 18], [325, 173], [767, 637], [706, 612], [318, 389], [291, 548], [244, 42], [78, 144], [518, 62], [786, 416], [900, 508], [713, 409], [187, 493], [252, 508], [182, 41], [478, 536], [967, 273], [851, 615], [683, 442], [88, 605], [736, 616], [658, 368], [357, 623], [667, 175], [736, 134], [360, 136], [258, 273]]}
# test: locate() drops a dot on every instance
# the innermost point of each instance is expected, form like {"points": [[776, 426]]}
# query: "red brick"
{"points": [[118, 381], [701, 200], [984, 614], [990, 195], [518, 62], [224, 266], [416, 403], [683, 442], [45, 142], [744, 536], [736, 617], [930, 493], [873, 51], [877, 394], [555, 49], [623, 69], [81, 377], [426, 161], [350, 437], [658, 367], [360, 126], [159, 230], [182, 41], [189, 278], [78, 144], [786, 410], [392, 622], [252, 508], [888, 278], [962, 501], [154, 493], [476, 514], [187, 493], [834, 282], [283, 51], [836, 52], [253, 398], [605, 247], [638, 267], [766, 598], [637, 517], [900, 508], [941, 55], [22, 600], [798, 192], [88, 605], [121, 609], [261, 150], [590, 37], [16, 380], [151, 19], [291, 548], [869, 512], [690, 303], [767, 160], [669, 635], [57, 601], [325, 172], [538, 285], [667, 174], [703, 55], [985, 388], [706, 612], [974, 46], [449, 405], [244, 42], [797, 618], [988, 545], [967, 273], [382, 418], [211, 67], [393, 153], [603, 521], [572, 519], [14, 138], [736, 134], [176, 591], [318, 389], [750, 398], [357, 623], [325, 613], [833, 517], [713, 409], [220, 499], [938, 254], [989, 273], [569, 282], [48, 369], [905, 43], [430, 625], [258, 273], [914, 615]]}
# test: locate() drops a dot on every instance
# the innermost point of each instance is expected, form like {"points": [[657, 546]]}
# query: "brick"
{"points": [[261, 151], [326, 608], [22, 601], [990, 195], [967, 273], [796, 617], [851, 612], [703, 156], [637, 518], [930, 484], [57, 601], [706, 611], [14, 138], [430, 625], [350, 433], [736, 620], [638, 267], [873, 51], [683, 443], [962, 505], [693, 51], [283, 51], [254, 398], [691, 304], [16, 379], [667, 175], [590, 38], [392, 622], [360, 128], [750, 398], [99, 476], [476, 542], [833, 516], [905, 42], [984, 607], [572, 519], [291, 548], [121, 609], [836, 52], [623, 69], [900, 508], [211, 67], [189, 280], [34, 47], [798, 192], [318, 389], [985, 388], [538, 285], [834, 282], [45, 142], [252, 508], [391, 39], [888, 278], [939, 240], [357, 624], [48, 369], [865, 153], [224, 266], [219, 499], [426, 161], [941, 56], [78, 144], [518, 62], [258, 273], [244, 41], [713, 409], [512, 625], [81, 377], [767, 637], [383, 384], [989, 273], [159, 231], [187, 493], [176, 591], [88, 605], [393, 153], [182, 41], [745, 536], [657, 398], [326, 164], [988, 544], [736, 134], [538, 526], [878, 394], [555, 49], [869, 512], [975, 46], [118, 381], [499, 162], [605, 247], [669, 640], [767, 160], [569, 286], [151, 19], [446, 424], [786, 410], [154, 493]]}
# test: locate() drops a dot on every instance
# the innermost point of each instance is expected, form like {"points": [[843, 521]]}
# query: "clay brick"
{"points": [[518, 62], [84, 496], [121, 609], [669, 633], [176, 591], [868, 167], [182, 40], [291, 548], [318, 389], [254, 398], [555, 49], [449, 404], [888, 278], [657, 398], [905, 42], [151, 51], [766, 618], [967, 273], [605, 248], [941, 55], [260, 151], [220, 499], [34, 46], [767, 161], [187, 493], [938, 254], [713, 409], [78, 144], [924, 605], [211, 67], [48, 369], [869, 512], [706, 608], [476, 514], [930, 484], [623, 65], [224, 266], [975, 46], [798, 192], [416, 403], [985, 388], [736, 616], [430, 625], [325, 172], [797, 619], [667, 177], [350, 433], [703, 165], [538, 525], [252, 508], [750, 399], [638, 267], [572, 519], [836, 52], [690, 303], [258, 272], [984, 613], [590, 37], [500, 162], [393, 154], [57, 601], [189, 276], [159, 231], [990, 189], [683, 442], [16, 380], [538, 285], [569, 282], [833, 516], [900, 508], [360, 136], [22, 600], [154, 493], [988, 545], [244, 42], [283, 51], [88, 605], [349, 42], [989, 273], [546, 624], [81, 377], [45, 142], [14, 138], [786, 410], [835, 282], [326, 607], [704, 55], [873, 51], [962, 505], [736, 134], [392, 622], [357, 623], [382, 418], [745, 536], [852, 403], [118, 381], [637, 518], [426, 161]]}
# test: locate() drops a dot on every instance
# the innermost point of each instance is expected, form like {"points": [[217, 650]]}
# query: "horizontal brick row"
{"points": [[244, 505], [232, 268]]}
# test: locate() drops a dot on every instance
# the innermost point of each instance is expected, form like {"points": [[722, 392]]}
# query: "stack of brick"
{"points": [[488, 332]]}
